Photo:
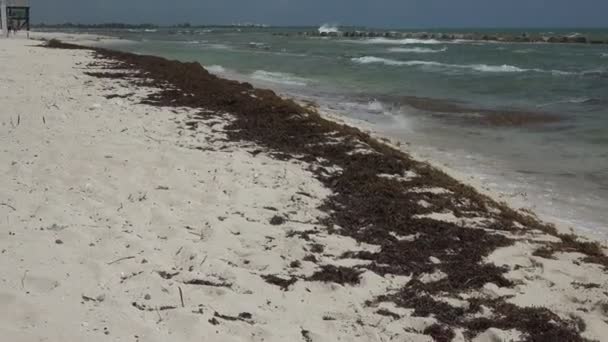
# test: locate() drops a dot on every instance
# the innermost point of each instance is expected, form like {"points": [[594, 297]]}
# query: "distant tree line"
{"points": [[94, 26], [133, 26]]}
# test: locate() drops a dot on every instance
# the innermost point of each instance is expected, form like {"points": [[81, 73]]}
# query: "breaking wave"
{"points": [[575, 100], [524, 51], [475, 67], [279, 78], [388, 41], [417, 50], [375, 106], [328, 28], [215, 69]]}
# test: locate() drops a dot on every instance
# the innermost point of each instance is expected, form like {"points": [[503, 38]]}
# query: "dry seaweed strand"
{"points": [[369, 208]]}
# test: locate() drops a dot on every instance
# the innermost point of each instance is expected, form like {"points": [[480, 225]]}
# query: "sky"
{"points": [[373, 13]]}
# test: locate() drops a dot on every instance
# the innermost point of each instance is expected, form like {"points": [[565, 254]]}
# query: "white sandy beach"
{"points": [[111, 209]]}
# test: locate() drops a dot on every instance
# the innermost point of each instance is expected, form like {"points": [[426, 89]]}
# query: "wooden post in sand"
{"points": [[4, 22]]}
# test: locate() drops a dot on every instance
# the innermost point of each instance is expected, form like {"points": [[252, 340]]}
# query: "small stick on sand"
{"points": [[8, 205], [160, 318], [121, 259], [149, 137], [23, 280], [181, 296]]}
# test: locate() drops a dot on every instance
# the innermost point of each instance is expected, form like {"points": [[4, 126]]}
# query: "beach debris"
{"points": [[59, 242], [8, 205], [181, 296], [167, 275], [305, 235], [385, 312], [306, 335], [121, 96], [310, 258], [161, 187], [277, 220], [121, 259], [337, 274], [143, 307], [139, 197], [100, 298], [317, 248], [126, 277], [284, 284], [243, 316], [203, 282], [439, 333], [56, 228], [23, 279]]}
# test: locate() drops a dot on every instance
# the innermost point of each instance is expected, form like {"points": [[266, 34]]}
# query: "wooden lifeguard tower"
{"points": [[15, 15]]}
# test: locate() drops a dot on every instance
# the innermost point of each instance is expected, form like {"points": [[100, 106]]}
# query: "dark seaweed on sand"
{"points": [[373, 209]]}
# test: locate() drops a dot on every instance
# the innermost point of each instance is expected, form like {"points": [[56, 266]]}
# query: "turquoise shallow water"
{"points": [[560, 168]]}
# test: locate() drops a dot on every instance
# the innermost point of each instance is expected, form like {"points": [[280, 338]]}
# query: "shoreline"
{"points": [[508, 118], [574, 223], [419, 248], [520, 202]]}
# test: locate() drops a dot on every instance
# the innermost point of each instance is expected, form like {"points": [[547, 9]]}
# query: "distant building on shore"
{"points": [[15, 15]]}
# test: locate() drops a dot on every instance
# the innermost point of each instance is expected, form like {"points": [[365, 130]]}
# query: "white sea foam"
{"points": [[329, 28], [505, 68], [280, 78], [524, 51], [377, 60], [388, 41], [217, 46], [604, 55], [417, 50], [575, 100], [207, 44], [215, 69], [494, 68], [375, 106]]}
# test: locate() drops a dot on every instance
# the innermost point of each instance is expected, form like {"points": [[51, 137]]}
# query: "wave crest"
{"points": [[215, 69], [505, 68], [280, 78], [417, 50], [328, 28], [388, 41]]}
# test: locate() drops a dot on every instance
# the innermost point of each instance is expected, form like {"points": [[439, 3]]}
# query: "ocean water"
{"points": [[450, 101]]}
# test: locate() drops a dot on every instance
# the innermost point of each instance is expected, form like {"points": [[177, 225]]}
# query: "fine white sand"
{"points": [[109, 208]]}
